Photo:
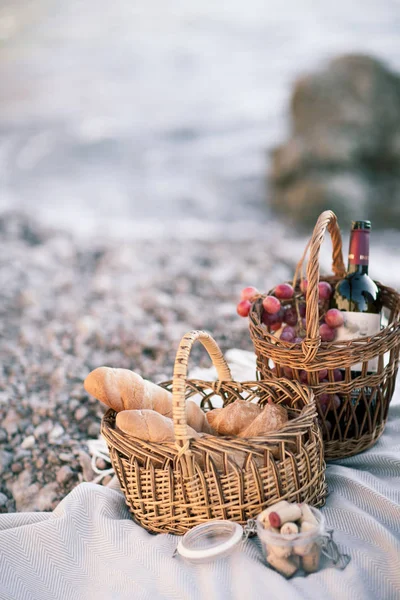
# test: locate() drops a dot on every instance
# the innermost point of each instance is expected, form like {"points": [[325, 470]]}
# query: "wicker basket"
{"points": [[359, 421], [171, 487]]}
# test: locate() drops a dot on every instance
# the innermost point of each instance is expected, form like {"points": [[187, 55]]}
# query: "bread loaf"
{"points": [[122, 389], [270, 419], [148, 425], [233, 418]]}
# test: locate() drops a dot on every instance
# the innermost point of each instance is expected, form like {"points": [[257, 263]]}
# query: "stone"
{"points": [[66, 456], [44, 428], [3, 436], [101, 464], [64, 474], [56, 433], [81, 413], [39, 463], [30, 497], [344, 149], [28, 442], [3, 500], [10, 423], [73, 404], [86, 464], [94, 430], [16, 467], [5, 461], [22, 453]]}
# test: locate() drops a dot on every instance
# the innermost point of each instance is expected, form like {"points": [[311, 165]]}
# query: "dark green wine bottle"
{"points": [[358, 296]]}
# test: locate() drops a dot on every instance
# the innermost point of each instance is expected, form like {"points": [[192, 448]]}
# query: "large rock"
{"points": [[344, 150]]}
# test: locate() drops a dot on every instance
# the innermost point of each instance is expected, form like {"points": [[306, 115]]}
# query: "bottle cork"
{"points": [[310, 562], [263, 517], [283, 514], [305, 548], [285, 566], [280, 551], [289, 528]]}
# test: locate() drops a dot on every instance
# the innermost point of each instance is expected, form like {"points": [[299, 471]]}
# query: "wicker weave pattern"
{"points": [[173, 487], [360, 420]]}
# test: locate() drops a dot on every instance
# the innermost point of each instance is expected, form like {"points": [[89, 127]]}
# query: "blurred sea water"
{"points": [[155, 118]]}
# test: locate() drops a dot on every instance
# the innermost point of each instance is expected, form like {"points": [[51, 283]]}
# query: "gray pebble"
{"points": [[28, 442], [81, 413], [3, 500], [94, 430], [3, 436], [64, 474], [5, 461], [44, 428], [73, 404], [66, 456], [56, 433]]}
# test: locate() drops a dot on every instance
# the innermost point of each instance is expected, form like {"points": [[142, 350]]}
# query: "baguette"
{"points": [[148, 425], [122, 389]]}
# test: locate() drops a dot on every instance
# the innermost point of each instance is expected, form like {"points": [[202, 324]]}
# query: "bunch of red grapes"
{"points": [[284, 311], [284, 315]]}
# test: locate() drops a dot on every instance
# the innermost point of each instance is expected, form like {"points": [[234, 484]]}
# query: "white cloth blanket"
{"points": [[89, 548]]}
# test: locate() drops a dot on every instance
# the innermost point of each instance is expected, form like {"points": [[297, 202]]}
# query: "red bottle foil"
{"points": [[359, 247]]}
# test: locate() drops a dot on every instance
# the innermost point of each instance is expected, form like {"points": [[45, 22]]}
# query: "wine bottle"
{"points": [[359, 297]]}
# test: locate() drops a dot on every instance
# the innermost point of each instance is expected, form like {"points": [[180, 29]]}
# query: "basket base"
{"points": [[336, 449]]}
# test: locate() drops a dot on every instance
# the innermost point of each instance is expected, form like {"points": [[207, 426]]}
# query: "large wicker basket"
{"points": [[171, 487], [359, 421]]}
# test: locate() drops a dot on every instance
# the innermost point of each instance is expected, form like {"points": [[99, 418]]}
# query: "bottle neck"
{"points": [[360, 269], [359, 252]]}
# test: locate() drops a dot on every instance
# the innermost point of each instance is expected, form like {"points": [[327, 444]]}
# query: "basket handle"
{"points": [[326, 221], [180, 377]]}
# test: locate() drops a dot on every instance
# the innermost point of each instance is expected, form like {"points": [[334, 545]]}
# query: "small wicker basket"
{"points": [[171, 487], [359, 421]]}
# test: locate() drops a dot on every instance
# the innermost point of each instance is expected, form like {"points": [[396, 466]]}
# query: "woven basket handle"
{"points": [[326, 221], [180, 377]]}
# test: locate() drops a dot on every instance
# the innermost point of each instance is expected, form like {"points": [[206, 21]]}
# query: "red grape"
{"points": [[284, 291], [249, 293], [335, 402], [334, 318], [323, 401], [304, 323], [288, 372], [243, 308], [337, 375], [328, 426], [290, 316], [272, 319], [324, 290], [327, 334], [329, 402], [302, 309], [323, 374], [304, 285], [298, 340], [271, 305], [303, 376], [288, 333]]}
